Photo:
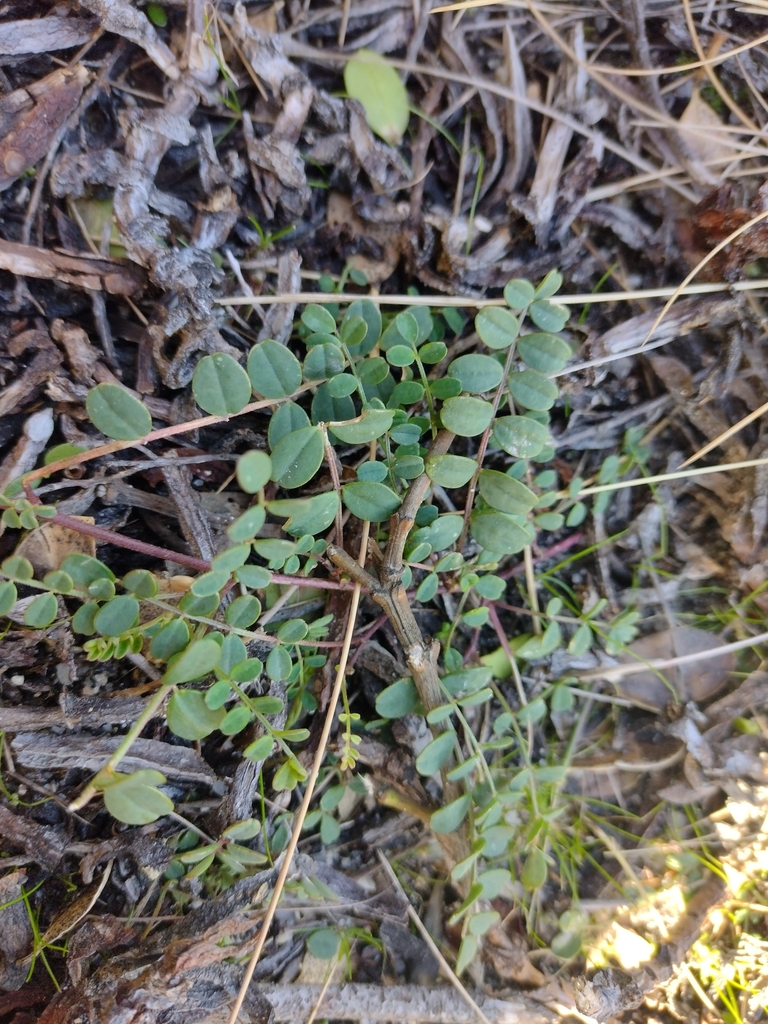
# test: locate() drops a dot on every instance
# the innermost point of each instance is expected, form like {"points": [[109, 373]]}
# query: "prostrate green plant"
{"points": [[411, 426]]}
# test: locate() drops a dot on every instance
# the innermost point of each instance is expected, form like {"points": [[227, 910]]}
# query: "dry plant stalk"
{"points": [[388, 592]]}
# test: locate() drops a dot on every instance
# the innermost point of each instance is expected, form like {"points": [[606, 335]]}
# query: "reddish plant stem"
{"points": [[153, 551]]}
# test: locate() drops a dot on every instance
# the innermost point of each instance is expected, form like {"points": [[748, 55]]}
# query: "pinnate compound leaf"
{"points": [[467, 417], [254, 470], [533, 390], [274, 370], [370, 501], [297, 457], [506, 494], [117, 413], [135, 799], [196, 661], [436, 754], [369, 79], [447, 819], [450, 470], [220, 385], [497, 327], [189, 717], [371, 425], [520, 436]]}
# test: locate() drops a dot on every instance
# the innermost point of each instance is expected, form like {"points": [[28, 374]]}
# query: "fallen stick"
{"points": [[414, 1004], [94, 273]]}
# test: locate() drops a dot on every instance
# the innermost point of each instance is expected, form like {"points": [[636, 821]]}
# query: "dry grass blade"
{"points": [[473, 302], [419, 925], [727, 434], [672, 69], [298, 821]]}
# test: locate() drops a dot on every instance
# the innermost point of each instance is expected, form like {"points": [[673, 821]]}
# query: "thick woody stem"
{"points": [[390, 594]]}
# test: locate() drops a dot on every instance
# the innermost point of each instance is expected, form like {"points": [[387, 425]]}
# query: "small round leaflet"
{"points": [[220, 385], [254, 469], [117, 413], [274, 370], [369, 79], [497, 327]]}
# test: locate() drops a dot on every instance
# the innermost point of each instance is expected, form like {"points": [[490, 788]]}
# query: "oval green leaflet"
{"points": [[135, 798], [220, 385], [117, 413], [322, 362], [318, 319], [370, 501], [297, 457], [504, 493], [518, 293], [369, 79], [450, 470], [189, 717], [544, 352], [499, 533], [306, 515], [465, 416], [274, 370], [497, 327], [548, 315], [476, 373], [367, 427], [117, 616], [254, 470], [533, 390], [520, 436]]}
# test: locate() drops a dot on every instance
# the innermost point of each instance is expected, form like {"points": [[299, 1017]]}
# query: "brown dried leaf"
{"points": [[40, 110], [697, 681], [508, 955], [711, 142], [48, 545]]}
